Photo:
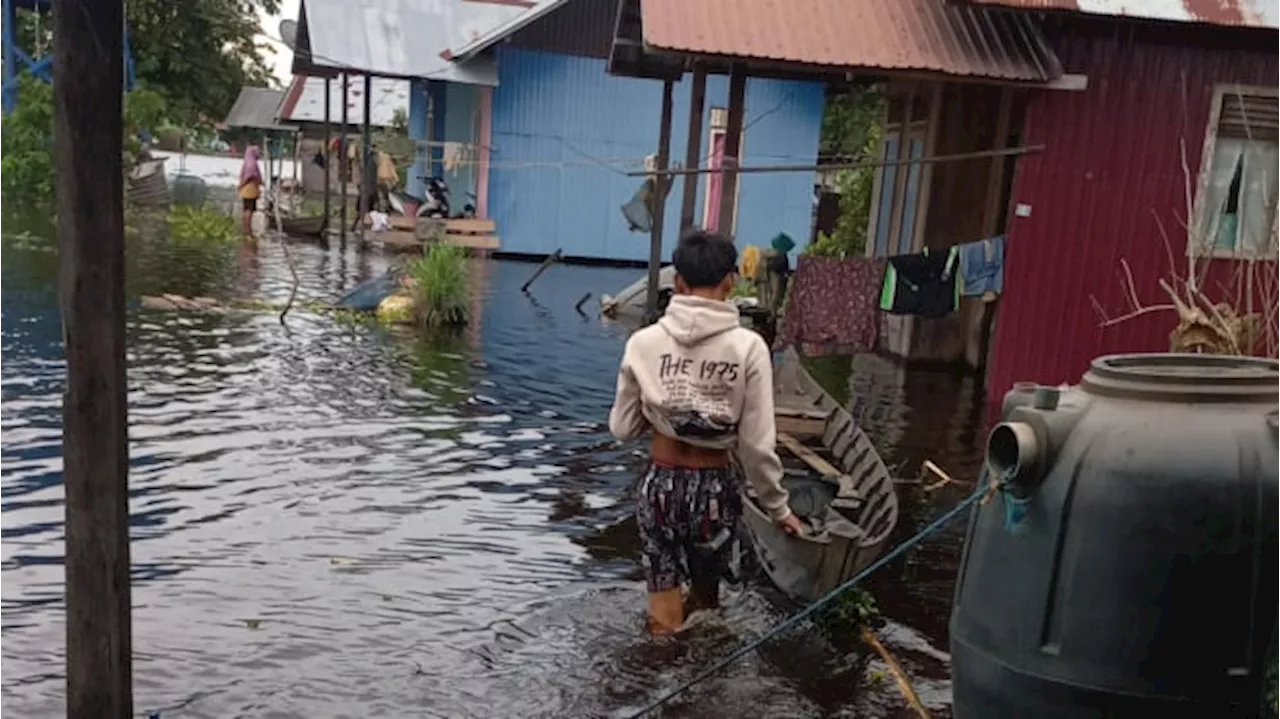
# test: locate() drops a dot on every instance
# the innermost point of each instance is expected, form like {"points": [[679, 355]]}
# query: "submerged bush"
{"points": [[202, 225], [440, 289]]}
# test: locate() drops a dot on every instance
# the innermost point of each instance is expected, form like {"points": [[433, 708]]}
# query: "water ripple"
{"points": [[336, 520]]}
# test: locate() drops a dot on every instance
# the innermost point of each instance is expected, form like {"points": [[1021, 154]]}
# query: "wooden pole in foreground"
{"points": [[367, 182], [693, 148], [732, 149], [660, 184], [88, 138], [344, 153], [328, 156]]}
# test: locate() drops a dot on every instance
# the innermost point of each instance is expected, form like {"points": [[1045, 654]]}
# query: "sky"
{"points": [[282, 59]]}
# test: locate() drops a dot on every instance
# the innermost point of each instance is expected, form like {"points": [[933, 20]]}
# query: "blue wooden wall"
{"points": [[564, 131]]}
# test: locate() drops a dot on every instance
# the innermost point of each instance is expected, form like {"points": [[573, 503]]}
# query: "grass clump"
{"points": [[440, 292], [203, 225]]}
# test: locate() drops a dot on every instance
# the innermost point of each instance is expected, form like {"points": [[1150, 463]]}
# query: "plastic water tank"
{"points": [[1129, 568]]}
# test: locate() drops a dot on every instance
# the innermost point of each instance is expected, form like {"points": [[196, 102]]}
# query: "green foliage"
{"points": [[197, 54], [204, 226], [26, 145], [440, 290], [851, 131], [26, 136], [743, 288]]}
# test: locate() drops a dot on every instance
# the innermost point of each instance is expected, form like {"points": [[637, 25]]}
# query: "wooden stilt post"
{"points": [[693, 148], [732, 147], [88, 140], [344, 174], [328, 156], [367, 183], [660, 184]]}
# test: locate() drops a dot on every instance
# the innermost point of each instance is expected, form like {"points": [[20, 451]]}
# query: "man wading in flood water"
{"points": [[704, 385]]}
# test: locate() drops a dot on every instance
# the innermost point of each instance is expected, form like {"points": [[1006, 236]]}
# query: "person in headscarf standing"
{"points": [[250, 187]]}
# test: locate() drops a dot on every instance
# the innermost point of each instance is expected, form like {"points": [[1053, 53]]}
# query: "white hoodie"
{"points": [[699, 377]]}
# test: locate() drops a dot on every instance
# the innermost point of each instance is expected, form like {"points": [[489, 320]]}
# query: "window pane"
{"points": [[888, 179], [1258, 195], [913, 195], [1217, 229]]}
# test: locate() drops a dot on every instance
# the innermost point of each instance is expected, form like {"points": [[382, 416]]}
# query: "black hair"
{"points": [[704, 259]]}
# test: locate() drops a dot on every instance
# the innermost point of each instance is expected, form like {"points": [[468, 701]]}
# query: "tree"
{"points": [[850, 133], [197, 54]]}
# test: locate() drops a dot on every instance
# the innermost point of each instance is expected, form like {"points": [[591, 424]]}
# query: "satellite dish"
{"points": [[289, 33]]}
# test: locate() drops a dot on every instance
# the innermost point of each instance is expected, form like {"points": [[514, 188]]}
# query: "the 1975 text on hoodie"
{"points": [[699, 377]]}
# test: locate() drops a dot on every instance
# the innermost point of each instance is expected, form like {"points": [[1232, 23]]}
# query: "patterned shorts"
{"points": [[681, 513]]}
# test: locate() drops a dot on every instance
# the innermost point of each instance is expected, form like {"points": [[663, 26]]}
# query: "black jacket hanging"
{"points": [[922, 284]]}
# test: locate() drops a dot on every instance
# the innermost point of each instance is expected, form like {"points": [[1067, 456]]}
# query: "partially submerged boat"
{"points": [[847, 503], [303, 226], [630, 300]]}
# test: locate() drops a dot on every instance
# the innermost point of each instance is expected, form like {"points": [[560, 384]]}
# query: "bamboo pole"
{"points": [[899, 676], [547, 261], [957, 157], [88, 132]]}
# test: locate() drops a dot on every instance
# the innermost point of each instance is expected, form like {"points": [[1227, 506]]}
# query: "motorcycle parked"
{"points": [[435, 205]]}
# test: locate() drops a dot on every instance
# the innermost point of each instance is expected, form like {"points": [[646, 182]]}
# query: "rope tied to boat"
{"points": [[986, 487]]}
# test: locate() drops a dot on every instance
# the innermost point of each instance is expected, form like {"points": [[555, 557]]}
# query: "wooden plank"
{"points": [[400, 222], [800, 426], [808, 456], [802, 412], [475, 242], [88, 132], [470, 226]]}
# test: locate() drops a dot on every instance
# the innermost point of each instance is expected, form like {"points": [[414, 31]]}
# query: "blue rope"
{"points": [[803, 614]]}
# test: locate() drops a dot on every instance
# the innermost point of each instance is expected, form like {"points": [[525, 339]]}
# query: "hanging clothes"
{"points": [[923, 284], [982, 267], [750, 263], [640, 209], [833, 305]]}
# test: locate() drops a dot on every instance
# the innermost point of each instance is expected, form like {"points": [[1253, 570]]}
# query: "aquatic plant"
{"points": [[203, 225], [440, 291]]}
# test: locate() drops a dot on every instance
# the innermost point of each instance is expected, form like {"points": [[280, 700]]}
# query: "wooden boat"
{"points": [[146, 184], [306, 226], [848, 503]]}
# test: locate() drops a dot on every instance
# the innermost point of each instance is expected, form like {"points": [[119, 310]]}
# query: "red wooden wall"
{"points": [[1112, 166]]}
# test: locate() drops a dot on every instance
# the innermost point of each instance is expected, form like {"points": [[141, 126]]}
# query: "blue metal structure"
{"points": [[40, 67], [565, 131]]}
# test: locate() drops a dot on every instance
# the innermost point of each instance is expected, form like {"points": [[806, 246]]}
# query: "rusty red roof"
{"points": [[1242, 13], [903, 35]]}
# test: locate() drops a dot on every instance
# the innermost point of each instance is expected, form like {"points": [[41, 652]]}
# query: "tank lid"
{"points": [[1184, 376]]}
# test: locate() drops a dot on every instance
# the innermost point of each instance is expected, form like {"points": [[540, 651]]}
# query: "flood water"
{"points": [[334, 520]]}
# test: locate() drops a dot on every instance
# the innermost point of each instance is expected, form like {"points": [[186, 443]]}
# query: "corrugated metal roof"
{"points": [[583, 28], [389, 95], [256, 107], [1242, 13], [506, 29], [921, 35], [398, 38]]}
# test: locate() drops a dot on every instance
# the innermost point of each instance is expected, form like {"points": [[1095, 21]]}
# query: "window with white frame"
{"points": [[1236, 202]]}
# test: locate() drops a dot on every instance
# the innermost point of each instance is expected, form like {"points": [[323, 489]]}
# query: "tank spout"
{"points": [[1015, 453]]}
